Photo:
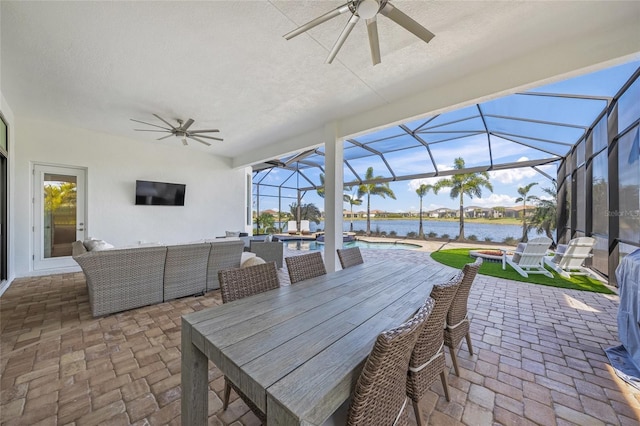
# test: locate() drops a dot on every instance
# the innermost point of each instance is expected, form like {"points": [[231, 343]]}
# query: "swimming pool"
{"points": [[314, 245]]}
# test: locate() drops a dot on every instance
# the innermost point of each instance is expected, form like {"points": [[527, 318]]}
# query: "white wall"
{"points": [[7, 113], [215, 194]]}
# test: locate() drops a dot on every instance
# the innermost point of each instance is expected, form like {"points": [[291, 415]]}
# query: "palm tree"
{"points": [[307, 212], [353, 200], [320, 189], [381, 189], [422, 191], [545, 216], [462, 184], [524, 197]]}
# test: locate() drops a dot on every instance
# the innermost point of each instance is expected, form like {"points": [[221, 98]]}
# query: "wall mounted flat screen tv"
{"points": [[159, 193]]}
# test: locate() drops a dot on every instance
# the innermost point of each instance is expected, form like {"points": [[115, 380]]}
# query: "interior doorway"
{"points": [[59, 204]]}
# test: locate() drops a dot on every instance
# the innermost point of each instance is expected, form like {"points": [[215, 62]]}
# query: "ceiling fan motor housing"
{"points": [[367, 9]]}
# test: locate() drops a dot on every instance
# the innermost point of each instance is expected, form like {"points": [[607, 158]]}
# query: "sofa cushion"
{"points": [[232, 233]]}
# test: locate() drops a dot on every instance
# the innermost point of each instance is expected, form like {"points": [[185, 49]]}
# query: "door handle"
{"points": [[80, 229]]}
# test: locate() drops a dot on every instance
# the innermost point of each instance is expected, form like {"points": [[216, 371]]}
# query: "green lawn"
{"points": [[457, 258]]}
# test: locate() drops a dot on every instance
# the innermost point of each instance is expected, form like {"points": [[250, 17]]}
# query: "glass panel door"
{"points": [[59, 214]]}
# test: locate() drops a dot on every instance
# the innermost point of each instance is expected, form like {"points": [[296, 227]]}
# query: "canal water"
{"points": [[482, 231]]}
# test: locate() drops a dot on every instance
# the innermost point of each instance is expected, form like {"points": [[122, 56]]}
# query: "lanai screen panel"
{"points": [[539, 126]]}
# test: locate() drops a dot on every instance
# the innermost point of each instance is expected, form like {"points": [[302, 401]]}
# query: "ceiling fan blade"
{"points": [[149, 124], [407, 23], [343, 36], [319, 20], [191, 135], [200, 140], [186, 124], [149, 130], [164, 137], [205, 131], [164, 121], [374, 42]]}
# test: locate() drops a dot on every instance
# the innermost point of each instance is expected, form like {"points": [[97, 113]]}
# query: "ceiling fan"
{"points": [[180, 131], [368, 10]]}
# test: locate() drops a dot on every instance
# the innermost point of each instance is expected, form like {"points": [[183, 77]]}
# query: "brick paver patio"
{"points": [[538, 359]]}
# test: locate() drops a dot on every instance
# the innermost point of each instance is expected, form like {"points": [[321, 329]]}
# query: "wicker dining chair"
{"points": [[458, 322], [379, 397], [236, 284], [427, 360], [305, 266], [350, 257]]}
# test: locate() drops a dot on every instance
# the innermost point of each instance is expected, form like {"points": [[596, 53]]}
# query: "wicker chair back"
{"points": [[305, 266], [458, 322], [237, 283], [379, 397], [350, 257], [427, 359]]}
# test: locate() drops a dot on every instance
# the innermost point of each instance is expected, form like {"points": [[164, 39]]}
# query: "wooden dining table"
{"points": [[297, 351]]}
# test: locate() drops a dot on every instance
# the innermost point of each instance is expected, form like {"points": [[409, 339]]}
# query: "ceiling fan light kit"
{"points": [[180, 131], [367, 10]]}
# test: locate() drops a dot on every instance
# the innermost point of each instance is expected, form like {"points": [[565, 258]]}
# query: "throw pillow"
{"points": [[97, 245], [253, 261], [102, 245]]}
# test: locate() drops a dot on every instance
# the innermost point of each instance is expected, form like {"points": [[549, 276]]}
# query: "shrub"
{"points": [[411, 234], [488, 239], [510, 241], [445, 236], [432, 234], [472, 237], [393, 234], [360, 232]]}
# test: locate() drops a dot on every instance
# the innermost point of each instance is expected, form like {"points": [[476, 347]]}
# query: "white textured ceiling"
{"points": [[225, 64]]}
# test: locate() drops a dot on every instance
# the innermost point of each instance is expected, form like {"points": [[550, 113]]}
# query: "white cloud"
{"points": [[492, 200], [516, 175], [434, 206], [415, 183]]}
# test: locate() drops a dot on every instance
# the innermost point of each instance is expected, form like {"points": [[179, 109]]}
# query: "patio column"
{"points": [[333, 198]]}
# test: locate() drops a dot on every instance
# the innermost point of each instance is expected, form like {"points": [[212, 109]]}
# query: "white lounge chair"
{"points": [[305, 227], [531, 259], [569, 259], [292, 227]]}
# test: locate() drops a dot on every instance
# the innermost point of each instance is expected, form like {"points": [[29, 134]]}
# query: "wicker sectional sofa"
{"points": [[123, 279]]}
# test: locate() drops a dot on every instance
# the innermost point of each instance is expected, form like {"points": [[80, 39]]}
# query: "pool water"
{"points": [[313, 245]]}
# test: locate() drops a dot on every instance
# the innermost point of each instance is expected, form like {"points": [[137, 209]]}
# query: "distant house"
{"points": [[346, 214], [273, 213], [497, 212], [516, 211], [442, 213], [378, 213], [476, 212]]}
